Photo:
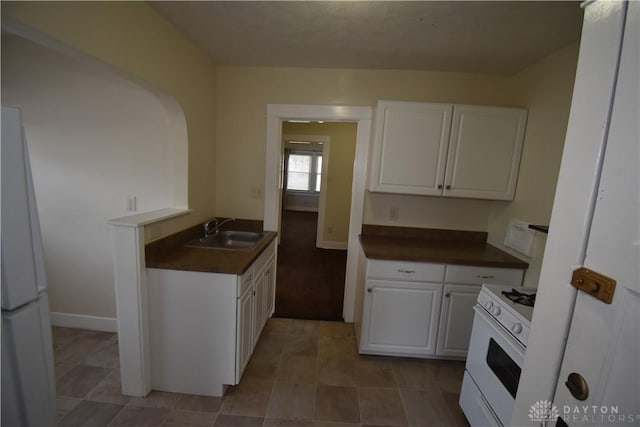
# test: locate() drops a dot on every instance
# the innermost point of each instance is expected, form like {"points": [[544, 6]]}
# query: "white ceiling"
{"points": [[472, 36]]}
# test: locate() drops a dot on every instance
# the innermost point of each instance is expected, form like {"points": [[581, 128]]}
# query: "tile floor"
{"points": [[302, 373]]}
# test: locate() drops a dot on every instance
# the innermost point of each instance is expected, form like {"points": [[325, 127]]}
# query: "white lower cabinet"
{"points": [[270, 287], [254, 307], [456, 319], [259, 316], [411, 309], [263, 296], [245, 338], [203, 327], [401, 317]]}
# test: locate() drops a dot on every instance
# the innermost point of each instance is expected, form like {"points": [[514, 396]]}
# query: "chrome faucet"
{"points": [[208, 229]]}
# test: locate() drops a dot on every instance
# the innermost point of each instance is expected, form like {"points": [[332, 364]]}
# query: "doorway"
{"points": [[305, 172], [276, 114], [317, 177]]}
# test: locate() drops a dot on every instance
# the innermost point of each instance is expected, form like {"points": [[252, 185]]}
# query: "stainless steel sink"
{"points": [[236, 240]]}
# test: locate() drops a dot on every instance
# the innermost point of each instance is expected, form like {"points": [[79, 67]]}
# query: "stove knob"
{"points": [[496, 311], [516, 328], [488, 305]]}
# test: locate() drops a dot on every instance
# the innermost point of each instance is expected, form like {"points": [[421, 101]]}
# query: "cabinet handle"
{"points": [[406, 271], [440, 187], [447, 295], [370, 290], [480, 276], [448, 187]]}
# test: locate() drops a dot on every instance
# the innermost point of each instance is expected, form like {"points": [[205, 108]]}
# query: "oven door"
{"points": [[494, 362]]}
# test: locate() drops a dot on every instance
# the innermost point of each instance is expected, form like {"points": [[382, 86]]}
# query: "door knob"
{"points": [[577, 385]]}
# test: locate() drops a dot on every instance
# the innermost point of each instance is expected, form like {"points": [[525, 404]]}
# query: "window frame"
{"points": [[314, 174]]}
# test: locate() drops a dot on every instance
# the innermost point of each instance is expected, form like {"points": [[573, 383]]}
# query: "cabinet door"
{"points": [[456, 319], [270, 288], [244, 333], [259, 303], [484, 153], [410, 147], [401, 318]]}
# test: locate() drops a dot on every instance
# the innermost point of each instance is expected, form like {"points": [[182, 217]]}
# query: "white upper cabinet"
{"points": [[447, 150], [484, 152], [410, 149]]}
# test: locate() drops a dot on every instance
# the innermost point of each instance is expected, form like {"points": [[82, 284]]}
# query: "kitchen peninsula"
{"points": [[207, 308]]}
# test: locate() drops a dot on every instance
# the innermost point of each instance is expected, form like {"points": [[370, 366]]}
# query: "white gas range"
{"points": [[499, 336]]}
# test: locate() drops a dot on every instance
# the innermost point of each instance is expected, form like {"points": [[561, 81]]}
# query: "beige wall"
{"points": [[94, 141], [134, 38], [545, 88], [244, 92], [339, 177]]}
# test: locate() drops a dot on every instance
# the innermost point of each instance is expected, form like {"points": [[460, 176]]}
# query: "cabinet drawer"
{"points": [[479, 275], [245, 281], [403, 270]]}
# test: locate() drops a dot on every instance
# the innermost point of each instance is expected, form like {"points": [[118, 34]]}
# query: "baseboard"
{"points": [[94, 323], [302, 208], [323, 244]]}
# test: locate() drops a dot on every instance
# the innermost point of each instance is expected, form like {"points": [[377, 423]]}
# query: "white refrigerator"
{"points": [[28, 379]]}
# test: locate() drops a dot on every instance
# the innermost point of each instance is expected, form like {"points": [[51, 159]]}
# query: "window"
{"points": [[304, 170]]}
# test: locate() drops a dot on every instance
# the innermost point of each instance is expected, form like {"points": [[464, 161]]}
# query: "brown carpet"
{"points": [[310, 281]]}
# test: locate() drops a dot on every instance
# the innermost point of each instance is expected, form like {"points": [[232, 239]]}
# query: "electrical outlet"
{"points": [[132, 203], [394, 213], [256, 193]]}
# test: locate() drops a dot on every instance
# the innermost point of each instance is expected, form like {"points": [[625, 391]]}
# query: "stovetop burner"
{"points": [[519, 298]]}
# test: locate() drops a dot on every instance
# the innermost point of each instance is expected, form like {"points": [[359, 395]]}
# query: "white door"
{"points": [[603, 346]]}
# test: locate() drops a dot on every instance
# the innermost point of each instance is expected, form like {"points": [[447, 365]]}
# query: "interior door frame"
{"points": [[276, 114]]}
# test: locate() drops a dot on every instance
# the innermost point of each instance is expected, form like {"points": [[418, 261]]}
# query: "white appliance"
{"points": [[496, 353], [28, 380]]}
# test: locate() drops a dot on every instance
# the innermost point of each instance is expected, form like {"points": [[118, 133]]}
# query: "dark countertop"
{"points": [[170, 253], [431, 245]]}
